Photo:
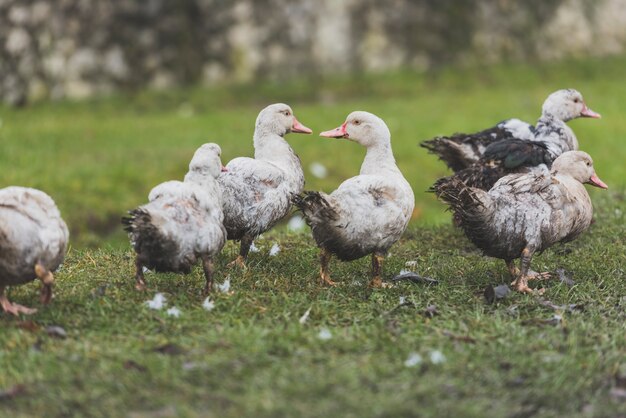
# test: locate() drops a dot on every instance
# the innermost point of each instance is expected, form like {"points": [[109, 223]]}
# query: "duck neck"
{"points": [[274, 149], [379, 157], [554, 130]]}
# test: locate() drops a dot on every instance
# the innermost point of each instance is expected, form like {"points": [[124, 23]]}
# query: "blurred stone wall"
{"points": [[52, 49]]}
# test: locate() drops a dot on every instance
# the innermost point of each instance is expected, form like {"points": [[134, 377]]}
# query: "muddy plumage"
{"points": [[525, 213]]}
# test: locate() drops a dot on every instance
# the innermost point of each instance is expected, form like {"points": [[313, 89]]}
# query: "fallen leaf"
{"points": [[28, 325], [502, 291], [563, 278], [170, 349], [12, 392], [99, 291], [462, 338], [493, 294], [56, 331], [430, 311], [618, 393], [414, 278], [565, 308], [133, 365]]}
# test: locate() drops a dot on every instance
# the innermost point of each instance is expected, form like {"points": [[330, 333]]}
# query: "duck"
{"points": [[257, 191], [367, 213], [526, 213], [33, 243], [514, 143], [182, 223]]}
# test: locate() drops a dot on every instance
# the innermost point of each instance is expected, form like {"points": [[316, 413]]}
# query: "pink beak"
{"points": [[299, 128], [588, 113], [594, 180], [339, 132], [224, 169]]}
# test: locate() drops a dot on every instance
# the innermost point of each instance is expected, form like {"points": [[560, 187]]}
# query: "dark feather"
{"points": [[153, 248]]}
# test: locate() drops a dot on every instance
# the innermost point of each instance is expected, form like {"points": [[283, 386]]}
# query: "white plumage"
{"points": [[33, 241], [182, 221], [368, 213], [257, 191]]}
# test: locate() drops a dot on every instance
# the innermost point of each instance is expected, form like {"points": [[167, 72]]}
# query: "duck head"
{"points": [[567, 104], [579, 165], [207, 161], [364, 128], [278, 119]]}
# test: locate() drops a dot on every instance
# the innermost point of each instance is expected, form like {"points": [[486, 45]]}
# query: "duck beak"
{"points": [[594, 180], [299, 128], [588, 113], [339, 132], [224, 169]]}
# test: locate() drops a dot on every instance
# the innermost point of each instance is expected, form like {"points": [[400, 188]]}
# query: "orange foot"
{"points": [[378, 283], [14, 308], [237, 262]]}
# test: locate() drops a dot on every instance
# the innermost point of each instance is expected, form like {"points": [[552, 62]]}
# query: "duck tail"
{"points": [[452, 151], [314, 206], [472, 207], [150, 243]]}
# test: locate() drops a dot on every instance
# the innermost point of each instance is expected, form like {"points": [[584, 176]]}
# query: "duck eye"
{"points": [[588, 164], [357, 122], [287, 113], [577, 100]]}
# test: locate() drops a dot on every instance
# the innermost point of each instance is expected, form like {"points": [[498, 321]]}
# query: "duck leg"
{"points": [[325, 257], [47, 279], [207, 266], [140, 282], [513, 270], [377, 269], [13, 308], [244, 249], [521, 282]]}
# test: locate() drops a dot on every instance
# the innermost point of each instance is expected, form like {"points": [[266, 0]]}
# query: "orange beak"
{"points": [[595, 181], [339, 132], [299, 128], [588, 113]]}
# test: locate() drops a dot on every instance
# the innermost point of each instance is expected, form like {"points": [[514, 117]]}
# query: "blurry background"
{"points": [[105, 99]]}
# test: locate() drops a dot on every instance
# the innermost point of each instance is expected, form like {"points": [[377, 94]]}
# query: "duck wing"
{"points": [[502, 158], [461, 150], [254, 197], [362, 216]]}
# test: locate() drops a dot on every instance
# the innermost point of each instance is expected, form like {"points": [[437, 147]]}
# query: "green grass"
{"points": [[250, 356], [100, 158]]}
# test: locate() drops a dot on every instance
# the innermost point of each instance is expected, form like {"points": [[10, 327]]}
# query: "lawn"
{"points": [[100, 158], [410, 350]]}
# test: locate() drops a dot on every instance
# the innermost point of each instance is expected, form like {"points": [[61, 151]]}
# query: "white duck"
{"points": [[526, 213], [513, 143], [182, 222], [33, 241], [257, 191], [368, 213]]}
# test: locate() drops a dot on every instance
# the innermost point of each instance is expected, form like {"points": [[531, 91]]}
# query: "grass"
{"points": [[100, 158], [250, 355]]}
